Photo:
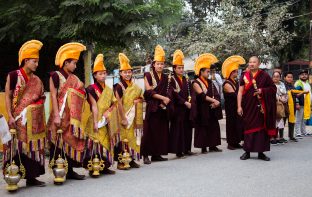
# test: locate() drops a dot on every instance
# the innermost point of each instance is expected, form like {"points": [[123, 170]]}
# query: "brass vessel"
{"points": [[12, 172], [95, 166], [125, 157], [12, 177], [60, 170], [59, 166]]}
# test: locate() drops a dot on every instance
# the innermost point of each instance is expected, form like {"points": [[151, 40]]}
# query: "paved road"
{"points": [[214, 174]]}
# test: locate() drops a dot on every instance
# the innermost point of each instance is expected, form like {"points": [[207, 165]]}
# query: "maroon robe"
{"points": [[156, 122], [234, 122], [207, 128], [258, 127], [180, 136]]}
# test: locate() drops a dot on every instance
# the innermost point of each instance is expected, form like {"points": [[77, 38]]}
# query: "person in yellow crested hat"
{"points": [[130, 107], [24, 90], [206, 109], [180, 135], [158, 95], [234, 124], [67, 96], [104, 116]]}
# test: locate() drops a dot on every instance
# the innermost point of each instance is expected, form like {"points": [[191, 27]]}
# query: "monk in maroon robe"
{"points": [[206, 109], [158, 96], [180, 136], [256, 103], [234, 122]]}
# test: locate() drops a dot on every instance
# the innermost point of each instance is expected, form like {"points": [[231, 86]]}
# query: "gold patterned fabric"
{"points": [[71, 96], [108, 135], [28, 111], [133, 106]]}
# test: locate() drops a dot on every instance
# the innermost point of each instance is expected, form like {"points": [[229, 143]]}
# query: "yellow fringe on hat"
{"points": [[99, 63], [29, 49], [178, 58], [230, 64], [204, 61], [68, 51]]}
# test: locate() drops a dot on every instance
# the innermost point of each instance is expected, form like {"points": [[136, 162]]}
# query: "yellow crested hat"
{"points": [[159, 54], [70, 50], [124, 62], [204, 61], [99, 63], [178, 58], [29, 49], [230, 64]]}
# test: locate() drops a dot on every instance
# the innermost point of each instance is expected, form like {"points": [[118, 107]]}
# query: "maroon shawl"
{"points": [[254, 120]]}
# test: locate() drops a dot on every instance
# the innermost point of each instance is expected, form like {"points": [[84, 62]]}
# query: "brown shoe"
{"points": [[214, 149], [107, 171], [263, 157], [204, 151], [245, 156], [189, 153], [230, 147], [159, 158], [180, 155], [34, 182], [133, 164], [146, 160], [74, 176]]}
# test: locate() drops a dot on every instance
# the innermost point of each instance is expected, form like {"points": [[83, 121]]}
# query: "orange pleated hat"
{"points": [[159, 54], [178, 58], [124, 62], [230, 64], [99, 63], [29, 49], [70, 50], [204, 61]]}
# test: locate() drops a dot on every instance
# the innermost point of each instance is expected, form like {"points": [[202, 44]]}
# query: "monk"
{"points": [[158, 98], [102, 126], [130, 107], [206, 109], [24, 93], [234, 124], [256, 103], [67, 96], [180, 136]]}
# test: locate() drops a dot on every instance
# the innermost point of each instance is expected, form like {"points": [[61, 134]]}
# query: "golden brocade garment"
{"points": [[28, 111], [108, 129], [71, 98], [132, 101]]}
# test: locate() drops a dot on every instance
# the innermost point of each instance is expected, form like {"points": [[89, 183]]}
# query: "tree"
{"points": [[244, 28], [104, 26]]}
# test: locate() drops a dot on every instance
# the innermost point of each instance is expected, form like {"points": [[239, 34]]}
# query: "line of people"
{"points": [[293, 105], [113, 118]]}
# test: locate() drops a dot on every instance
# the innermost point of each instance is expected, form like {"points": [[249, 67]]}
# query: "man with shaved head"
{"points": [[256, 103]]}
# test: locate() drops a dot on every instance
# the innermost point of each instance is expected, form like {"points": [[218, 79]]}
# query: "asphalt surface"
{"points": [[214, 174]]}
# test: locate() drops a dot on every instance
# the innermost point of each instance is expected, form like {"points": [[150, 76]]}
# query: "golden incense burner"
{"points": [[12, 172], [125, 157], [95, 165]]}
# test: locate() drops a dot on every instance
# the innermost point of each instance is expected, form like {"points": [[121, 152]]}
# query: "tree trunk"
{"points": [[87, 60]]}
